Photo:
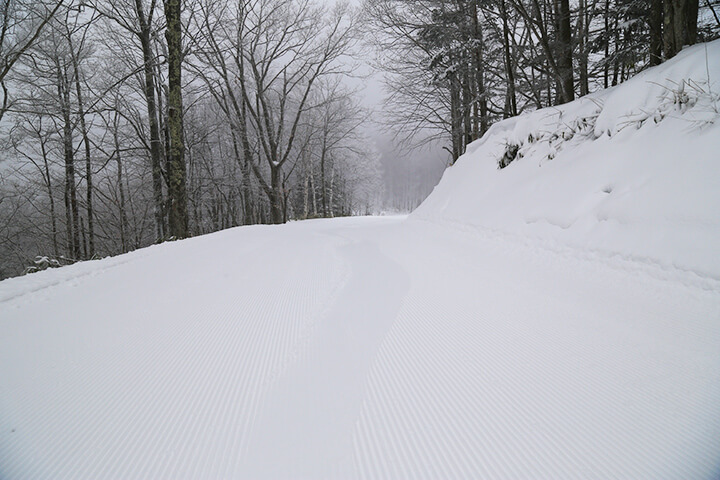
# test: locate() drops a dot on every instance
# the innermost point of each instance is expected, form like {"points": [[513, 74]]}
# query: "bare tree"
{"points": [[139, 19], [284, 56], [21, 22], [335, 125], [34, 145], [177, 194]]}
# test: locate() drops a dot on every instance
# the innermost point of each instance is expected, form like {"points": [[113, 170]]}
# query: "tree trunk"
{"points": [[245, 192], [510, 98], [564, 57], [582, 48], [247, 197], [306, 195], [244, 136], [84, 238], [616, 61], [314, 195], [155, 142], [455, 117], [332, 189], [467, 103], [606, 67], [323, 185], [245, 169], [672, 10], [484, 121], [177, 194], [88, 163], [276, 197], [477, 81], [53, 219], [121, 190], [691, 21], [68, 153], [656, 39], [679, 25]]}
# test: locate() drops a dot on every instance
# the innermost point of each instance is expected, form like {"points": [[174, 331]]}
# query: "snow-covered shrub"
{"points": [[511, 153], [547, 140], [42, 262], [695, 101]]}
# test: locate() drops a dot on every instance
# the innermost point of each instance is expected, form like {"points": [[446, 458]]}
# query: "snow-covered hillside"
{"points": [[559, 318], [631, 171]]}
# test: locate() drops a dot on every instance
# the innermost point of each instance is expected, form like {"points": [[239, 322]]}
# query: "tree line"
{"points": [[130, 122], [457, 66]]}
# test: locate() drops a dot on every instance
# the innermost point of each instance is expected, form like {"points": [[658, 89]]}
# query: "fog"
{"points": [[410, 167]]}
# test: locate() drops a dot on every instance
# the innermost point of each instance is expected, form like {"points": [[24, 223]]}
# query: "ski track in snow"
{"points": [[359, 348], [557, 395]]}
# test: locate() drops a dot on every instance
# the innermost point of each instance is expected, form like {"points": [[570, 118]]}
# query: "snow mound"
{"points": [[633, 170]]}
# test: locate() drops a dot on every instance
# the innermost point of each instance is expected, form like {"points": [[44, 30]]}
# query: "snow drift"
{"points": [[633, 170]]}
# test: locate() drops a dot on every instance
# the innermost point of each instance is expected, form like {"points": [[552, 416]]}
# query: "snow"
{"points": [[559, 318], [359, 348], [632, 171]]}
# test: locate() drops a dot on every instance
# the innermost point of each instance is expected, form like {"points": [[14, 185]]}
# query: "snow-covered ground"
{"points": [[359, 348], [559, 318], [631, 171]]}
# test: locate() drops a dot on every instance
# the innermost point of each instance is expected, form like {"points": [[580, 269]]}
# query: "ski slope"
{"points": [[359, 348], [558, 318]]}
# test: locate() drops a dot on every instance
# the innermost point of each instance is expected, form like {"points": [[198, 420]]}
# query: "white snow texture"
{"points": [[558, 318], [632, 171]]}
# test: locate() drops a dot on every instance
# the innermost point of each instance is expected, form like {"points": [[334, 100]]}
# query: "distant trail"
{"points": [[325, 389]]}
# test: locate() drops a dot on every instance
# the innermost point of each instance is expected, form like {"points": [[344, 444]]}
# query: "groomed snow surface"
{"points": [[559, 318]]}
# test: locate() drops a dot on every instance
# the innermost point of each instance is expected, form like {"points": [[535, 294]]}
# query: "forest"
{"points": [[125, 123], [456, 67], [111, 144]]}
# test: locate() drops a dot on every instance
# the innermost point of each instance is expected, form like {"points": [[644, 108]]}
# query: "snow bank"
{"points": [[633, 170]]}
